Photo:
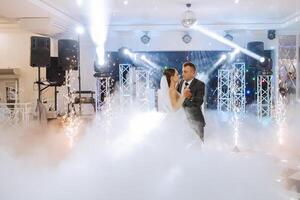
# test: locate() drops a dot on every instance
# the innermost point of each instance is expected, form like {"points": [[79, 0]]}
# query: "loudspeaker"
{"points": [[54, 73], [271, 34], [68, 54], [257, 48], [40, 51]]}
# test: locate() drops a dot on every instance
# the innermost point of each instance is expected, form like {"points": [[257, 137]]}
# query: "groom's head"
{"points": [[188, 71]]}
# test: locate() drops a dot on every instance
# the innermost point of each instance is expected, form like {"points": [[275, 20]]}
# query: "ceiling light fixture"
{"points": [[228, 36], [189, 17], [145, 39], [186, 38]]}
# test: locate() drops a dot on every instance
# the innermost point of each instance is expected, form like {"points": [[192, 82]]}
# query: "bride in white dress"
{"points": [[170, 102]]}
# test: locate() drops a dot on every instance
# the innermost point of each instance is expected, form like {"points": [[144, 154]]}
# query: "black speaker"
{"points": [[54, 73], [257, 48], [271, 34], [68, 54], [40, 51]]}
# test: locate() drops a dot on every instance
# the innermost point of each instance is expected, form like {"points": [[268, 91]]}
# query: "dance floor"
{"points": [[102, 160]]}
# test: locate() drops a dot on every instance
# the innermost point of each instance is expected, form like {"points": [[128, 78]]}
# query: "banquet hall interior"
{"points": [[80, 114]]}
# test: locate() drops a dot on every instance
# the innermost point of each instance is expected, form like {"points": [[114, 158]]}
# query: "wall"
{"points": [[15, 52], [172, 41]]}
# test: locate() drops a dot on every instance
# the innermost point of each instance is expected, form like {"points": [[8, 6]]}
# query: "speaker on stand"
{"points": [[39, 57], [68, 51], [55, 75]]}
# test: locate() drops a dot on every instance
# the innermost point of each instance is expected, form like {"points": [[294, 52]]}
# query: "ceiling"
{"points": [[152, 14]]}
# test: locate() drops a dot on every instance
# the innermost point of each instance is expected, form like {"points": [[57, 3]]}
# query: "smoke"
{"points": [[151, 155], [99, 17]]}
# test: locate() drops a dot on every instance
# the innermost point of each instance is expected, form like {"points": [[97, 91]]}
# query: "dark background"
{"points": [[203, 60]]}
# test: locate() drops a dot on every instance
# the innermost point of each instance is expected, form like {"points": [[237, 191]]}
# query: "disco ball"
{"points": [[189, 18]]}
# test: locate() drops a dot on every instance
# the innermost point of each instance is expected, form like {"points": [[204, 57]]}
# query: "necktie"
{"points": [[186, 84]]}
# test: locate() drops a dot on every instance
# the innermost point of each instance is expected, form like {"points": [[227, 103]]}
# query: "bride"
{"points": [[170, 102]]}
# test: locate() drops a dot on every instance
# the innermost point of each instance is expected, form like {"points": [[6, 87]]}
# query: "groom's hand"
{"points": [[187, 93]]}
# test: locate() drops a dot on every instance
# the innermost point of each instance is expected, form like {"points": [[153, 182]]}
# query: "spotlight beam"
{"points": [[99, 17], [220, 61], [205, 76], [224, 57], [150, 63], [221, 39], [142, 58]]}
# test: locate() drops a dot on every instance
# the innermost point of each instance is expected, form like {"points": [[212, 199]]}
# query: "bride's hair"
{"points": [[169, 73]]}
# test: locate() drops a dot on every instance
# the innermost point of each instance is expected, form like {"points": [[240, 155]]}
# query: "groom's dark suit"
{"points": [[192, 106]]}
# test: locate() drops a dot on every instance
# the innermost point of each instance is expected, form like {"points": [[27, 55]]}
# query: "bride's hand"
{"points": [[187, 93]]}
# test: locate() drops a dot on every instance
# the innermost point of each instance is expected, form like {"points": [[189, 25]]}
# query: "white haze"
{"points": [[146, 156]]}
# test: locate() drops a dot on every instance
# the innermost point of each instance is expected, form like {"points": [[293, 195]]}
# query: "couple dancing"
{"points": [[183, 98]]}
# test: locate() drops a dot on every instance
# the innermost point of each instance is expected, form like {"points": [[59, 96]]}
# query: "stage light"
{"points": [[237, 1], [271, 34], [234, 54], [248, 92], [149, 63], [223, 57], [145, 39], [100, 55], [225, 41], [228, 37], [205, 76], [79, 30], [129, 53], [143, 57], [187, 38], [126, 52], [98, 17], [262, 59], [125, 2], [236, 51], [138, 57]]}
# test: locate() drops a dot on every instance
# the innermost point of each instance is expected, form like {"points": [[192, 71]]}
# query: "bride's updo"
{"points": [[169, 73]]}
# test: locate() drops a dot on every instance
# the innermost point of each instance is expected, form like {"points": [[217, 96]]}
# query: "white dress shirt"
{"points": [[183, 85]]}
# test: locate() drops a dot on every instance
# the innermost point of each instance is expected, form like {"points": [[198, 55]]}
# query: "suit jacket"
{"points": [[193, 105]]}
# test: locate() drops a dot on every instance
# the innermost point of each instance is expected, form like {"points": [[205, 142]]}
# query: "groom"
{"points": [[192, 104]]}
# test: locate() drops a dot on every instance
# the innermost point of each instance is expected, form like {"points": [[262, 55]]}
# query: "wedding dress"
{"points": [[175, 123]]}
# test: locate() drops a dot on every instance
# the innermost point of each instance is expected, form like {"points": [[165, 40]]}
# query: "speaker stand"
{"points": [[39, 100], [55, 98], [69, 92], [39, 83], [79, 74], [70, 100]]}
